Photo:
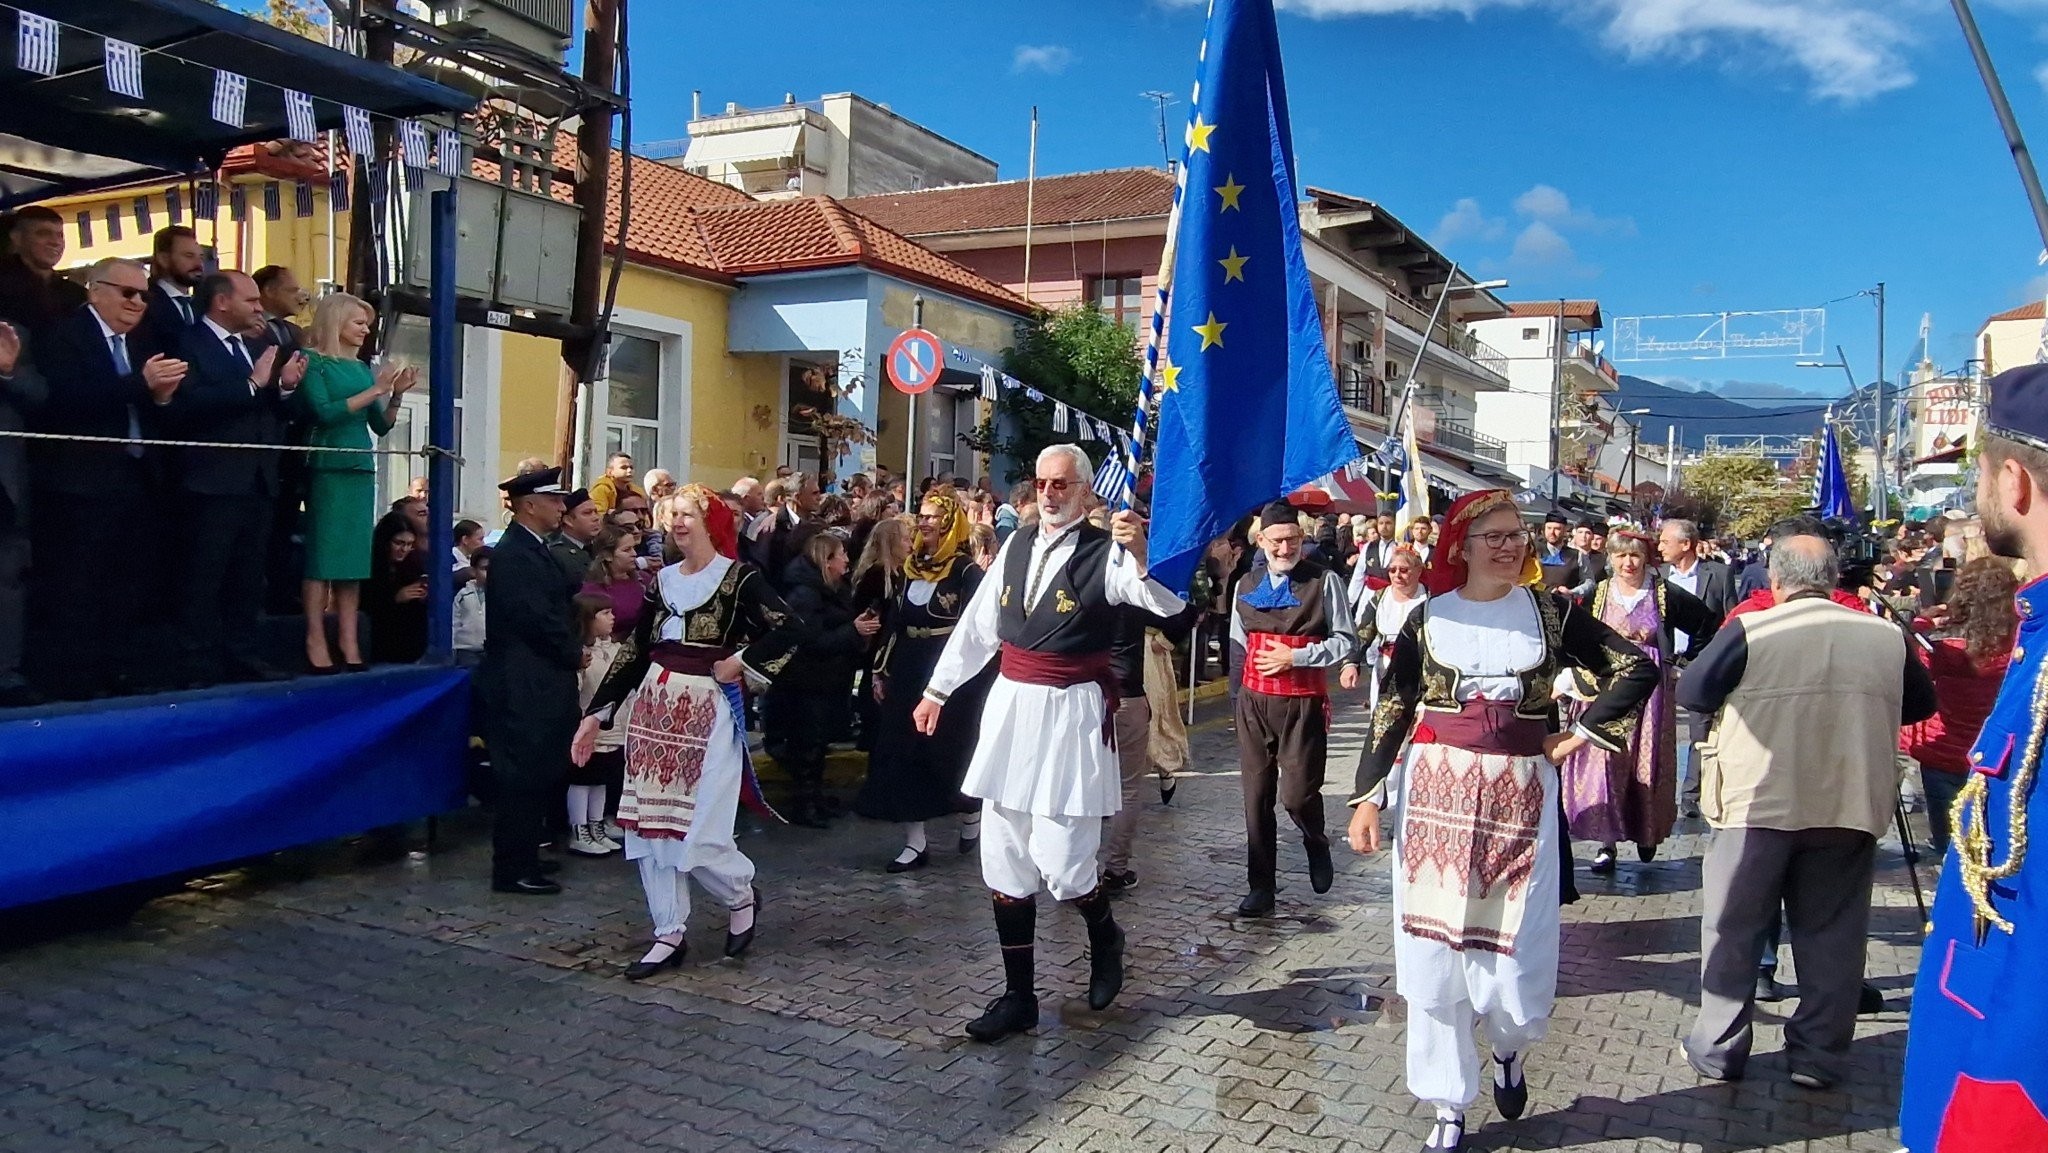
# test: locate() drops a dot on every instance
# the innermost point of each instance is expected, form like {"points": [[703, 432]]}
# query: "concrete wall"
{"points": [[1522, 415], [1063, 264], [887, 153]]}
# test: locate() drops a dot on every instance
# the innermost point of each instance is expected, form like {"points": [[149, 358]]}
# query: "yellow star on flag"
{"points": [[1169, 378], [1233, 265], [1212, 332], [1229, 191], [1198, 134]]}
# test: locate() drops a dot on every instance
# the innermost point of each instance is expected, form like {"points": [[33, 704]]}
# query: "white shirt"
{"points": [[1689, 580], [974, 641], [177, 291], [239, 346], [1490, 643]]}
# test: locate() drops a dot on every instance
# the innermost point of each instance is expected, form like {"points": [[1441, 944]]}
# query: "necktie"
{"points": [[241, 352], [184, 307], [119, 347]]}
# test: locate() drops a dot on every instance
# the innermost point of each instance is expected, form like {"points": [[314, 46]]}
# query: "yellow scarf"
{"points": [[934, 565]]}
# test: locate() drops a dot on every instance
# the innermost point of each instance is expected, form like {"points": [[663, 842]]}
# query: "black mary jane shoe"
{"points": [[922, 859], [1446, 1133], [1513, 1098], [1007, 1014], [736, 943], [643, 969]]}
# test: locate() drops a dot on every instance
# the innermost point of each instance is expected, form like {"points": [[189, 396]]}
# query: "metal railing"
{"points": [[1360, 388], [1458, 436], [1457, 339]]}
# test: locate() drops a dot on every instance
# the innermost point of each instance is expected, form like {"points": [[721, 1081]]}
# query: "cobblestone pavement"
{"points": [[317, 1002]]}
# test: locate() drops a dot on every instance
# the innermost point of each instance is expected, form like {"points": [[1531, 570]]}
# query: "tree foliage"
{"points": [[1745, 494], [1077, 354]]}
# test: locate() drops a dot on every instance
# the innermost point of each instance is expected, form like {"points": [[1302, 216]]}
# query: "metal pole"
{"points": [[910, 469], [1030, 187], [1877, 479], [1556, 398], [1195, 641], [1408, 385], [2013, 140], [442, 333]]}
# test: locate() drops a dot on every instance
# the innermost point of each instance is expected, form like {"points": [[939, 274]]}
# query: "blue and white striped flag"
{"points": [[298, 117], [124, 69], [230, 97], [412, 143], [448, 152], [1113, 480], [355, 125], [988, 382], [1059, 417], [1085, 430], [35, 45]]}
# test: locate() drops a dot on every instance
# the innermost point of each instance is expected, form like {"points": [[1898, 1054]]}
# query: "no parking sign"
{"points": [[914, 361]]}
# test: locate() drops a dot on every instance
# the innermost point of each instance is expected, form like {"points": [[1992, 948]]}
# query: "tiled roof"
{"points": [[2032, 310], [1080, 198], [1587, 311]]}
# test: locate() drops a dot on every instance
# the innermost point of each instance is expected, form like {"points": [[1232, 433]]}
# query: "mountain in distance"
{"points": [[1700, 414]]}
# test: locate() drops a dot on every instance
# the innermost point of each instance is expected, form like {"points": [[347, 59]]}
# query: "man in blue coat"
{"points": [[1977, 1049]]}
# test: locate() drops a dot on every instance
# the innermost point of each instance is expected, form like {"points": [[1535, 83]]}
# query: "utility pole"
{"points": [[1556, 396], [593, 183]]}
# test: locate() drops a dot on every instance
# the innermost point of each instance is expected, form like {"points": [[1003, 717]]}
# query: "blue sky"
{"points": [[1664, 156]]}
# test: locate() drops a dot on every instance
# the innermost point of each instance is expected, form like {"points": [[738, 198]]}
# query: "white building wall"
{"points": [[1523, 415]]}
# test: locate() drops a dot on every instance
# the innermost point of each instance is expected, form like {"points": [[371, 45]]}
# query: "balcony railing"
{"points": [[1458, 436], [1360, 388], [1458, 340]]}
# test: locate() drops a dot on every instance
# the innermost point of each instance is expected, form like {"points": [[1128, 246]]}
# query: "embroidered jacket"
{"points": [[742, 616], [1416, 682]]}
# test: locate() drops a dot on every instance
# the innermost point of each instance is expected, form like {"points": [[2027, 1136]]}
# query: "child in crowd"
{"points": [[587, 781], [469, 610]]}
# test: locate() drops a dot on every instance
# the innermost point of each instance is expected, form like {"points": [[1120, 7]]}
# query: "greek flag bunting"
{"points": [[1248, 407], [35, 45], [412, 143], [448, 152], [988, 382], [355, 124], [338, 188], [124, 69], [1059, 417], [298, 117], [230, 97]]}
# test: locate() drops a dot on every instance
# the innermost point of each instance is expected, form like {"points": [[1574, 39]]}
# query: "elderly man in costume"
{"points": [[1465, 743], [1977, 1049], [1293, 620], [1044, 765]]}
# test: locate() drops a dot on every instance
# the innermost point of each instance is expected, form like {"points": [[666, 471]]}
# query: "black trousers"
{"points": [[1282, 748], [14, 557], [519, 825], [89, 639], [220, 602]]}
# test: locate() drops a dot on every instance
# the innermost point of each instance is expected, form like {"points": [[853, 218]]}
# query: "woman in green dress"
{"points": [[347, 406]]}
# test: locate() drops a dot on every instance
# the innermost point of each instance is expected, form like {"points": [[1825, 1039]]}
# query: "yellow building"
{"points": [[816, 291]]}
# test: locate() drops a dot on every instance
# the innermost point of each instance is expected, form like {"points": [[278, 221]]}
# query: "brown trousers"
{"points": [[1282, 747]]}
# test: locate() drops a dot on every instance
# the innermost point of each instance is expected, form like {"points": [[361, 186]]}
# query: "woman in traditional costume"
{"points": [[913, 778], [1478, 853], [709, 621], [1632, 795], [1380, 614]]}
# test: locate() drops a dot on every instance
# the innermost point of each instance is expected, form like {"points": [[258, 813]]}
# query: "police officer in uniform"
{"points": [[528, 681], [1977, 1049]]}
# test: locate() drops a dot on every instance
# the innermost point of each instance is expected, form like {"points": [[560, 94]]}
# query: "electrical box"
{"points": [[542, 27], [513, 249]]}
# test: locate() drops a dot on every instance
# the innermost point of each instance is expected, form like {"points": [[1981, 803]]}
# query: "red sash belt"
{"points": [[688, 660], [1064, 671], [1293, 682]]}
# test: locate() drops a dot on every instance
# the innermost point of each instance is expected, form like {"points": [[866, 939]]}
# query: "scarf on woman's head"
{"points": [[719, 523], [921, 565], [1446, 569]]}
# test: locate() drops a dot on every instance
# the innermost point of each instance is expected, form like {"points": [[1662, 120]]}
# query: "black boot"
{"points": [[1105, 949], [1321, 872], [1017, 1009]]}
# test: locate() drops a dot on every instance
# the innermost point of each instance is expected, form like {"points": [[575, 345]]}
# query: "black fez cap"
{"points": [[539, 483], [1555, 517], [1594, 524], [576, 500], [2019, 405], [1278, 512]]}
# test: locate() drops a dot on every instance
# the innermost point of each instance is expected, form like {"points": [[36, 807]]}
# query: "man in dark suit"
{"points": [[87, 639], [794, 524], [285, 565], [527, 681], [1678, 542], [22, 392], [1560, 561], [32, 295], [176, 266], [230, 395], [569, 544]]}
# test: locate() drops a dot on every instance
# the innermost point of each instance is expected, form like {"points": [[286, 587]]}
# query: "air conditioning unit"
{"points": [[542, 27]]}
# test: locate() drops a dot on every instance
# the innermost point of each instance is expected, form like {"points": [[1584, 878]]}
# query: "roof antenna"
{"points": [[1163, 100]]}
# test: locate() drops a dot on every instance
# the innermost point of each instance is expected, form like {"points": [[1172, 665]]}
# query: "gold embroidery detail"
{"points": [[1006, 596], [1062, 603]]}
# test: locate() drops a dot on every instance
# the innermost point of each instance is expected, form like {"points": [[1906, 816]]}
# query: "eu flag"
{"points": [[1831, 480], [1248, 407]]}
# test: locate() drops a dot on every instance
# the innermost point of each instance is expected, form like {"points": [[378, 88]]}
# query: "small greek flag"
{"points": [[174, 204], [298, 117], [412, 143], [448, 152], [415, 178], [1086, 431], [1059, 417], [142, 221], [303, 198], [238, 203], [273, 201], [206, 201], [35, 46], [338, 184], [1113, 480], [124, 69], [230, 96], [355, 124], [113, 223], [988, 382], [85, 230]]}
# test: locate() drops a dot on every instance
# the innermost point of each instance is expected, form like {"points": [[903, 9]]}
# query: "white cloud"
{"points": [[1467, 221], [1541, 250], [1048, 58], [1551, 206], [1848, 50]]}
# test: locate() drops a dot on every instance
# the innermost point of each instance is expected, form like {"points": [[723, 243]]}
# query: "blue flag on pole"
{"points": [[1248, 407], [1831, 480]]}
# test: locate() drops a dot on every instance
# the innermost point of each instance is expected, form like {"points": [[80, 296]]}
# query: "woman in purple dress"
{"points": [[1633, 796]]}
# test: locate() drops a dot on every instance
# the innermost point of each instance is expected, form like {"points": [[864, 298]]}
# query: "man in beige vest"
{"points": [[1798, 781]]}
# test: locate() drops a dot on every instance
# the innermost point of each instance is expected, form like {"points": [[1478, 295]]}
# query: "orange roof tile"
{"points": [[1079, 198], [1584, 311], [2031, 310]]}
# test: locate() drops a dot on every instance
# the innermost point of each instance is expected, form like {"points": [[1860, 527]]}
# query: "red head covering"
{"points": [[719, 523], [1446, 568]]}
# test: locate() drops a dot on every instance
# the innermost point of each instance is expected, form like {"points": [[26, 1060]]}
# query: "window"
{"points": [[628, 402], [408, 342], [1121, 297], [1532, 334]]}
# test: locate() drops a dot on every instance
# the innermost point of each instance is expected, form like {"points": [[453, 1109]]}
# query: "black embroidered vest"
{"points": [[1072, 614]]}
